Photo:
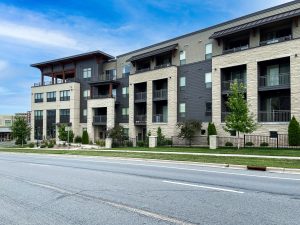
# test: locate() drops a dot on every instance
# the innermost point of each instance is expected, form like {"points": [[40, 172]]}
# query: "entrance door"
{"points": [[273, 75]]}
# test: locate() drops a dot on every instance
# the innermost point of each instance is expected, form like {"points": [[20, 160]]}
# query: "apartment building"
{"points": [[187, 77]]}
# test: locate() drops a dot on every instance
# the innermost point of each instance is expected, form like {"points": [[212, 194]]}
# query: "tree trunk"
{"points": [[238, 140]]}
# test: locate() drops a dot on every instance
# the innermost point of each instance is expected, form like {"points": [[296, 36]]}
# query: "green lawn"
{"points": [[243, 151], [205, 159]]}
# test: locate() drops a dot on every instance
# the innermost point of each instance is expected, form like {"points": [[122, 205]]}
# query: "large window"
{"points": [[125, 111], [87, 72], [111, 74], [208, 51], [38, 124], [208, 80], [7, 123], [38, 97], [208, 108], [182, 83], [51, 123], [86, 93], [182, 110], [65, 95], [126, 70], [51, 96], [125, 92], [84, 112], [182, 58], [64, 116], [38, 115]]}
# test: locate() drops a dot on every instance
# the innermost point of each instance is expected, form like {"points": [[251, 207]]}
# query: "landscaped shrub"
{"points": [[211, 130], [85, 137], [160, 137], [43, 146], [31, 145], [128, 144], [78, 139], [228, 144], [19, 142], [264, 144], [249, 144], [50, 145], [100, 143], [294, 132], [140, 144]]}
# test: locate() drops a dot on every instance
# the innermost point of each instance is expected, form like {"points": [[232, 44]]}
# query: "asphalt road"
{"points": [[59, 190]]}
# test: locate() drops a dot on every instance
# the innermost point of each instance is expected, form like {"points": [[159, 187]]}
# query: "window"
{"points": [[111, 74], [84, 112], [232, 133], [126, 132], [51, 96], [87, 72], [182, 83], [208, 80], [86, 93], [65, 95], [273, 134], [182, 59], [182, 110], [203, 132], [208, 51], [38, 97], [38, 115], [125, 92], [125, 111], [7, 123], [64, 116], [208, 108], [126, 70]]}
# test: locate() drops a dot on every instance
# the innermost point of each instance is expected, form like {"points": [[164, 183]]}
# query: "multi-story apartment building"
{"points": [[5, 127], [187, 77]]}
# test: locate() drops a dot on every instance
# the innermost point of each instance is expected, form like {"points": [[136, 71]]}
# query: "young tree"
{"points": [[64, 135], [85, 138], [211, 130], [239, 118], [116, 133], [160, 137], [20, 130], [294, 132], [188, 129]]}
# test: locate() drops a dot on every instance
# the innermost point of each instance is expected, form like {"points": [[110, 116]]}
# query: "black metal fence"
{"points": [[275, 141], [123, 143]]}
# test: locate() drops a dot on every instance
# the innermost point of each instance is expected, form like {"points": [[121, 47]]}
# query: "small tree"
{"points": [[85, 138], [239, 118], [211, 130], [20, 130], [116, 133], [294, 132], [160, 137], [188, 129], [63, 134]]}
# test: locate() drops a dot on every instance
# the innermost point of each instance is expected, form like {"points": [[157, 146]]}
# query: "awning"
{"points": [[5, 130], [256, 23], [153, 53]]}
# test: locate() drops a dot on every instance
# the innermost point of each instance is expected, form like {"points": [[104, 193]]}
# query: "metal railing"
{"points": [[160, 94], [274, 116], [140, 96], [226, 84], [237, 49], [142, 70], [100, 119], [162, 66], [100, 96], [140, 119], [107, 77], [159, 118], [60, 81], [276, 40], [270, 81]]}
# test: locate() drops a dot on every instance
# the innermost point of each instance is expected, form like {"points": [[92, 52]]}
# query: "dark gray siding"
{"points": [[123, 102], [195, 94]]}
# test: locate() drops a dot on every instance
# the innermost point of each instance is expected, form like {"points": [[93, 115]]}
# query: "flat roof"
{"points": [[73, 57]]}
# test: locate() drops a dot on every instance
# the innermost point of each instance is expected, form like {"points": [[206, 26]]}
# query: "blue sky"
{"points": [[33, 31]]}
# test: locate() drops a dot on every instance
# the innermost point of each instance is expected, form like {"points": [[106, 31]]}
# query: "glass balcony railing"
{"points": [[237, 49], [140, 96], [227, 83], [141, 119], [159, 118], [274, 80], [161, 94], [274, 116], [276, 40], [100, 119]]}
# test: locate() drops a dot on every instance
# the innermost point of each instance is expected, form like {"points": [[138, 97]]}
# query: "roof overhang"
{"points": [[159, 51], [256, 23], [73, 58]]}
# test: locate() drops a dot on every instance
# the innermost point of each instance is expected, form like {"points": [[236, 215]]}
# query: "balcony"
{"points": [[161, 94], [274, 116], [162, 66], [226, 84], [100, 120], [101, 96], [47, 83], [140, 119], [276, 40], [279, 80], [159, 118], [237, 49], [142, 70], [140, 97]]}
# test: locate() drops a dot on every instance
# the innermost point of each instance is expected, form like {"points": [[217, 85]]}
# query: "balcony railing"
{"points": [[274, 80], [140, 119], [51, 99], [100, 119], [38, 100], [100, 96], [276, 40], [142, 70], [159, 118], [161, 94], [237, 49], [46, 83], [107, 77], [140, 96], [226, 84], [274, 116], [162, 66]]}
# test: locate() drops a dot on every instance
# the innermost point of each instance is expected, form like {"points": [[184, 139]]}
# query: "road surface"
{"points": [[59, 190]]}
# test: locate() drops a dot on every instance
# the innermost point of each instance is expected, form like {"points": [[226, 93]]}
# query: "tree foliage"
{"points": [[160, 137], [85, 138], [294, 132], [188, 129], [211, 130], [20, 130], [239, 118], [117, 133], [63, 134]]}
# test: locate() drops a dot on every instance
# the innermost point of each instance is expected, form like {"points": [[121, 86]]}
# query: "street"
{"points": [[46, 189]]}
